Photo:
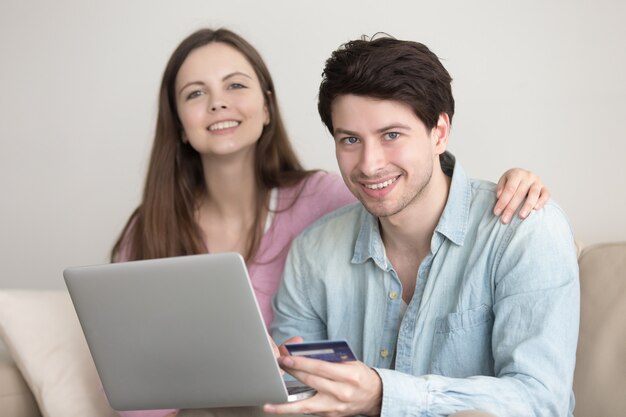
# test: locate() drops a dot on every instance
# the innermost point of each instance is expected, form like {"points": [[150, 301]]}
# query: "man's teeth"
{"points": [[223, 125], [381, 185]]}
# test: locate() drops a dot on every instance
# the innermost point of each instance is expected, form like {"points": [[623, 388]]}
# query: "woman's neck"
{"points": [[231, 186], [227, 214]]}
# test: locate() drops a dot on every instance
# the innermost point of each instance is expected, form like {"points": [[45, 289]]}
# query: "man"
{"points": [[447, 308]]}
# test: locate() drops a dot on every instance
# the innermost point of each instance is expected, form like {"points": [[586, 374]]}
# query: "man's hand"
{"points": [[343, 389], [514, 186], [282, 351]]}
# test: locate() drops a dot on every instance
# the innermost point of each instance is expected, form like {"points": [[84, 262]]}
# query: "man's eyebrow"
{"points": [[232, 74], [344, 131], [393, 126]]}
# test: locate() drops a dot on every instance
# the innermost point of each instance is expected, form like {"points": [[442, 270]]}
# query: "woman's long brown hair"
{"points": [[164, 224]]}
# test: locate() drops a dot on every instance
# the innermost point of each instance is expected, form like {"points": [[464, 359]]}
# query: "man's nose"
{"points": [[372, 159]]}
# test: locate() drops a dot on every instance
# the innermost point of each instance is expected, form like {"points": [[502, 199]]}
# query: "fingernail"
{"points": [[497, 211], [523, 214], [505, 219]]}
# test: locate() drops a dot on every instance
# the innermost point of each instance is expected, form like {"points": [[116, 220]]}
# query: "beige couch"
{"points": [[46, 368]]}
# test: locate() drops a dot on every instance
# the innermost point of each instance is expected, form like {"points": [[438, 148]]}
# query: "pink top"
{"points": [[320, 194]]}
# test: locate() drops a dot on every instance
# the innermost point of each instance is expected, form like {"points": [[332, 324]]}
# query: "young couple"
{"points": [[448, 306]]}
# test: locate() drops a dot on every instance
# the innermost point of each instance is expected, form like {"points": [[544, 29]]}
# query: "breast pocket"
{"points": [[462, 343]]}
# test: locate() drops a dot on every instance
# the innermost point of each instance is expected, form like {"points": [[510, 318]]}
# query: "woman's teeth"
{"points": [[223, 125]]}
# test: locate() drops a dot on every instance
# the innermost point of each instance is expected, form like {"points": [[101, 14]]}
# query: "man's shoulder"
{"points": [[548, 223], [484, 195], [483, 190], [548, 218]]}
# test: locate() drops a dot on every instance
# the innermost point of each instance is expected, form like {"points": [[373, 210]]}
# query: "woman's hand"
{"points": [[514, 186]]}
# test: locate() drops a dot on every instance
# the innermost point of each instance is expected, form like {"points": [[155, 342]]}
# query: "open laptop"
{"points": [[182, 332]]}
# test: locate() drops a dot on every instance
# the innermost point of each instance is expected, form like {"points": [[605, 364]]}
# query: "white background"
{"points": [[538, 84]]}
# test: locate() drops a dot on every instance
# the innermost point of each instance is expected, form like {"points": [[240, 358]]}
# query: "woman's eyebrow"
{"points": [[235, 73], [227, 76], [189, 84]]}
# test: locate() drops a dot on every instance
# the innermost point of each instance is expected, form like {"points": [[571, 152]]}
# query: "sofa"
{"points": [[46, 369]]}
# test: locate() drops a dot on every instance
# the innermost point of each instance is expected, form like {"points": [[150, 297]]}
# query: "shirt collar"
{"points": [[369, 243], [452, 223], [455, 217]]}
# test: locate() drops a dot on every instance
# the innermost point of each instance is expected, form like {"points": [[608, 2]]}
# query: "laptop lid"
{"points": [[182, 332]]}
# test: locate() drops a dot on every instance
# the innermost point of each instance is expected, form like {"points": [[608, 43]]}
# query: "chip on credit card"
{"points": [[326, 350]]}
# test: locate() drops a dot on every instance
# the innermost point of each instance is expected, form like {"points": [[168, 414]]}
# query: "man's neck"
{"points": [[407, 235]]}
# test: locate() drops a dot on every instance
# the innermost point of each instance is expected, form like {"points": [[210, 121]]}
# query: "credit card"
{"points": [[326, 350]]}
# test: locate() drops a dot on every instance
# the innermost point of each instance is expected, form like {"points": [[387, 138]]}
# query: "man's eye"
{"points": [[351, 140], [392, 135]]}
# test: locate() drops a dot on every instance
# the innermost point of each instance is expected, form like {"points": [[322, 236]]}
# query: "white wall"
{"points": [[538, 84]]}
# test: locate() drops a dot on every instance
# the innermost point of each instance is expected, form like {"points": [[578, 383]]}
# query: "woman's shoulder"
{"points": [[319, 185], [319, 193], [322, 180]]}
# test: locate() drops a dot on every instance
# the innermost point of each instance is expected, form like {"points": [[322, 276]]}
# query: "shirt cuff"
{"points": [[403, 394]]}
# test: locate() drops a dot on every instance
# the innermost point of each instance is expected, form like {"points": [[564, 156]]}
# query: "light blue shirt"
{"points": [[493, 322]]}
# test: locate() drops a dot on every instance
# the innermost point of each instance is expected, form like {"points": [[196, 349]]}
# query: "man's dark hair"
{"points": [[388, 69]]}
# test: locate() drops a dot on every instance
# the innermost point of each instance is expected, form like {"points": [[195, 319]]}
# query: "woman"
{"points": [[223, 176]]}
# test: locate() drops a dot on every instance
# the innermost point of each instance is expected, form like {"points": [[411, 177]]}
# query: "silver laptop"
{"points": [[182, 332]]}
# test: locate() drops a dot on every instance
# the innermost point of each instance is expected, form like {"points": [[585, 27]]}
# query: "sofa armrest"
{"points": [[16, 399], [600, 375], [42, 334]]}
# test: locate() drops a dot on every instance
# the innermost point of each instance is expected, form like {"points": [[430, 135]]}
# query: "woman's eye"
{"points": [[194, 94], [392, 135], [236, 86], [351, 140]]}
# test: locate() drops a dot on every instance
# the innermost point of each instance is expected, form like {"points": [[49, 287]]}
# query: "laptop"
{"points": [[183, 332]]}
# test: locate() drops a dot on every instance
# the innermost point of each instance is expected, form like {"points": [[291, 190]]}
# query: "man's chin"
{"points": [[378, 209]]}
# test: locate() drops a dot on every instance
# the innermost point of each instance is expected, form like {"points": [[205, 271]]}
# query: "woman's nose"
{"points": [[217, 102], [215, 107]]}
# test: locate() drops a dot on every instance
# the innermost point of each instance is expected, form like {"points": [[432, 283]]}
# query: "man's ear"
{"points": [[440, 133]]}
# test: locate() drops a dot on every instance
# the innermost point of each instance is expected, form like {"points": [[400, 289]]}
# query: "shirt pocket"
{"points": [[462, 343]]}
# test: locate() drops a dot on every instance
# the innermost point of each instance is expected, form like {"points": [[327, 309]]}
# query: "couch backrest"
{"points": [[600, 376]]}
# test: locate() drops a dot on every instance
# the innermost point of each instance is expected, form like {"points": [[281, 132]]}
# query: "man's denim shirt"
{"points": [[493, 322]]}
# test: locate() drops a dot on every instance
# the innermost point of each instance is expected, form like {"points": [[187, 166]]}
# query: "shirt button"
{"points": [[393, 295], [384, 353]]}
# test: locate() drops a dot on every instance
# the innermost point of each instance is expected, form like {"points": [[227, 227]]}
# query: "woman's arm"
{"points": [[517, 186]]}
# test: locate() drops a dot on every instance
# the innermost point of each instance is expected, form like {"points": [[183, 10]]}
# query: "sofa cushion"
{"points": [[600, 376], [41, 332]]}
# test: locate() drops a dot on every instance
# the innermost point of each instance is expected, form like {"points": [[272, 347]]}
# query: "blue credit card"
{"points": [[327, 350]]}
